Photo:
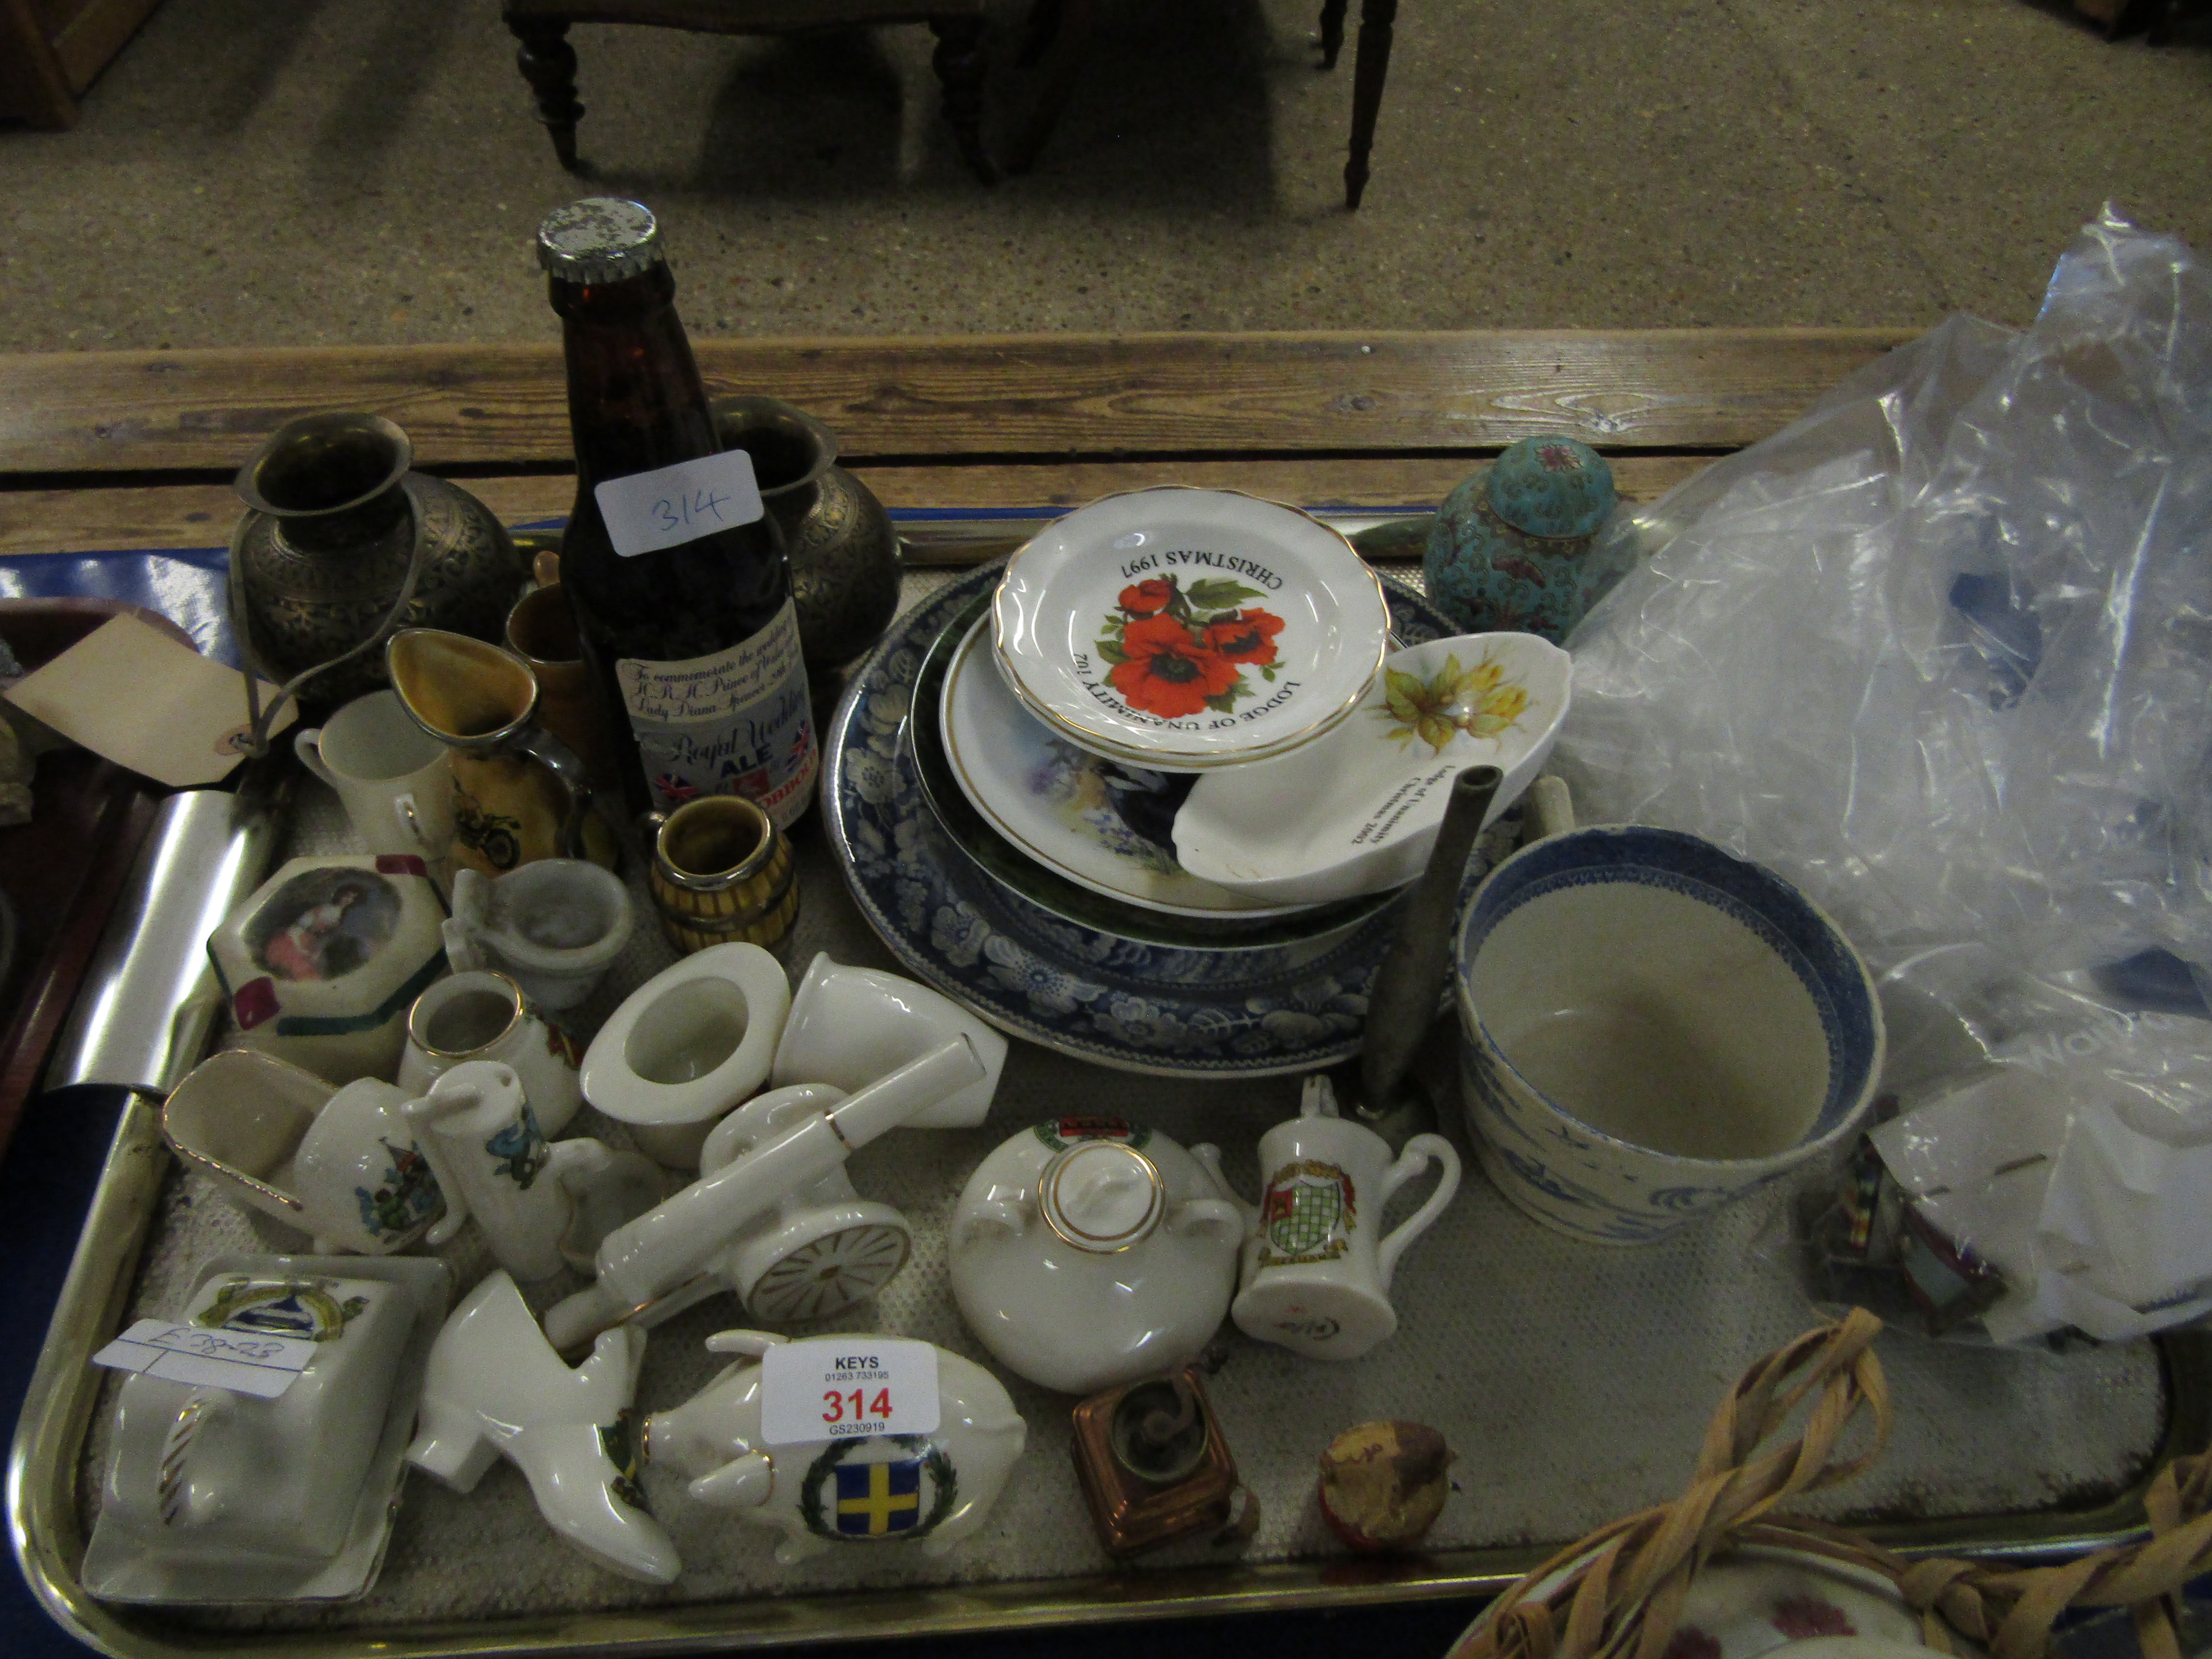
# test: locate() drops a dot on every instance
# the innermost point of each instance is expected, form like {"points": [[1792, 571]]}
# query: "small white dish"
{"points": [[212, 1496], [1056, 802], [1370, 795], [1183, 629]]}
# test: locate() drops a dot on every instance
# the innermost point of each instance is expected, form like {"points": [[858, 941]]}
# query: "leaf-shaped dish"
{"points": [[1357, 810]]}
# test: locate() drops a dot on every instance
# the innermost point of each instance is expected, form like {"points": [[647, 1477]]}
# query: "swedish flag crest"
{"points": [[854, 1493]]}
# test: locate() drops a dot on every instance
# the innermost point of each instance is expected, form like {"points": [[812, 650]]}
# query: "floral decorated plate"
{"points": [[1181, 629], [1063, 806], [1120, 1002], [1369, 795]]}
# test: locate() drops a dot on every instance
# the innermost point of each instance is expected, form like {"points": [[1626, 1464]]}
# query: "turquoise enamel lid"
{"points": [[1551, 487]]}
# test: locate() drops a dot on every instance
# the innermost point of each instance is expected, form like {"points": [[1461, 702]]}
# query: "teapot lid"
{"points": [[1102, 1195]]}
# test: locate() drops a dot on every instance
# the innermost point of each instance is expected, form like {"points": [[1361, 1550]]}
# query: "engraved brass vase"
{"points": [[337, 523], [844, 553]]}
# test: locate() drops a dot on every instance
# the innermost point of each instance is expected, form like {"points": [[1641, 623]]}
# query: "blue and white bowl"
{"points": [[1651, 1028]]}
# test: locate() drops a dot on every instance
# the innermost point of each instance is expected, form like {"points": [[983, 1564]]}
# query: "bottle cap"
{"points": [[601, 238]]}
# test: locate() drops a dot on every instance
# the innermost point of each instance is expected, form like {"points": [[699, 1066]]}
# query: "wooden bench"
{"points": [[135, 450]]}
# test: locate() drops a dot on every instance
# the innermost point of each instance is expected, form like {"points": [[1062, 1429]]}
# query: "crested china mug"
{"points": [[1318, 1265], [482, 1015], [389, 774]]}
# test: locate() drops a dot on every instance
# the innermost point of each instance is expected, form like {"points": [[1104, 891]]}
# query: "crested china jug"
{"points": [[541, 1204], [1317, 1262]]}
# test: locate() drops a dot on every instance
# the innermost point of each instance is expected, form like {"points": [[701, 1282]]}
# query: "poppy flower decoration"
{"points": [[1177, 652]]}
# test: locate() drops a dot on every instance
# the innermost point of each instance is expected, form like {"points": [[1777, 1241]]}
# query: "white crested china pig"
{"points": [[937, 1490]]}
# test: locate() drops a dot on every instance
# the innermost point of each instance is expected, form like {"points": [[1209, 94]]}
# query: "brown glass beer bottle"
{"points": [[677, 576]]}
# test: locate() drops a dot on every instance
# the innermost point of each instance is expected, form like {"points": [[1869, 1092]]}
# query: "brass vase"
{"points": [[844, 553], [337, 522]]}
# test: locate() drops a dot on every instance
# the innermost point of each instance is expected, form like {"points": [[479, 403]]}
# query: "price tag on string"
{"points": [[839, 1388], [672, 505], [241, 1361]]}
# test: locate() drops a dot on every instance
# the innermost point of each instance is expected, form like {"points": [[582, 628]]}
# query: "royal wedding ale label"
{"points": [[735, 722], [679, 581]]}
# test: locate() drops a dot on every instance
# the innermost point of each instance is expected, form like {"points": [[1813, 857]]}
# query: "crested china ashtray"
{"points": [[1059, 804], [1371, 794], [215, 1497], [1183, 629]]}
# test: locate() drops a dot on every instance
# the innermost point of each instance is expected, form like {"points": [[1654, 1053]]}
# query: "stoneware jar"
{"points": [[1089, 1251], [1510, 547], [322, 962], [953, 1474]]}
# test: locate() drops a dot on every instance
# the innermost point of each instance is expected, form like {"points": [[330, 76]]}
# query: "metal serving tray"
{"points": [[1574, 1383]]}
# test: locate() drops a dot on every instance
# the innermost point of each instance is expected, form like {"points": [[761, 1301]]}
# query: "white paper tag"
{"points": [[672, 505], [838, 1388], [240, 1361]]}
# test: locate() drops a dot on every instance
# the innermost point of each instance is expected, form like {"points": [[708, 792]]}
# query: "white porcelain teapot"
{"points": [[935, 1488], [1089, 1251]]}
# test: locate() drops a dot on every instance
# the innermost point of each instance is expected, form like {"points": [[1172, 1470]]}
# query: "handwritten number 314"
{"points": [[700, 506]]}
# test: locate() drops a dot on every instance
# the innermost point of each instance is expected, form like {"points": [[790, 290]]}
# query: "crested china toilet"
{"points": [[687, 1046]]}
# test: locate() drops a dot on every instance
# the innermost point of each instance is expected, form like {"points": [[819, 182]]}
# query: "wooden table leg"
{"points": [[960, 63], [1063, 61], [1332, 32], [548, 62], [1373, 65]]}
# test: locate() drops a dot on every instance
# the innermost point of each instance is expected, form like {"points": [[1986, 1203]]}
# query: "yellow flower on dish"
{"points": [[1479, 701]]}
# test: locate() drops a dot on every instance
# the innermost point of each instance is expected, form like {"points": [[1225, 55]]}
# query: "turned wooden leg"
{"points": [[1070, 47], [1041, 31], [1332, 32], [548, 62], [959, 62], [1376, 18]]}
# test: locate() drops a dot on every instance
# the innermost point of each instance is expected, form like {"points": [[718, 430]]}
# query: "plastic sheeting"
{"points": [[1941, 650]]}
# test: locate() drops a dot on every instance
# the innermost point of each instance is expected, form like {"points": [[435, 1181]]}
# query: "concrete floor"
{"points": [[332, 171]]}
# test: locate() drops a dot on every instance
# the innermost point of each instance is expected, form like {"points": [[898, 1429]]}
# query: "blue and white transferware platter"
{"points": [[1121, 1003]]}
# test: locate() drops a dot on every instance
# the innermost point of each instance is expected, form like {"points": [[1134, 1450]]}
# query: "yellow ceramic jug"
{"points": [[520, 794]]}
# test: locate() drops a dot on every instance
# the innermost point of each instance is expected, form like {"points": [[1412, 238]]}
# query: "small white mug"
{"points": [[849, 1026], [484, 1015], [542, 1205], [1317, 1266], [390, 775]]}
